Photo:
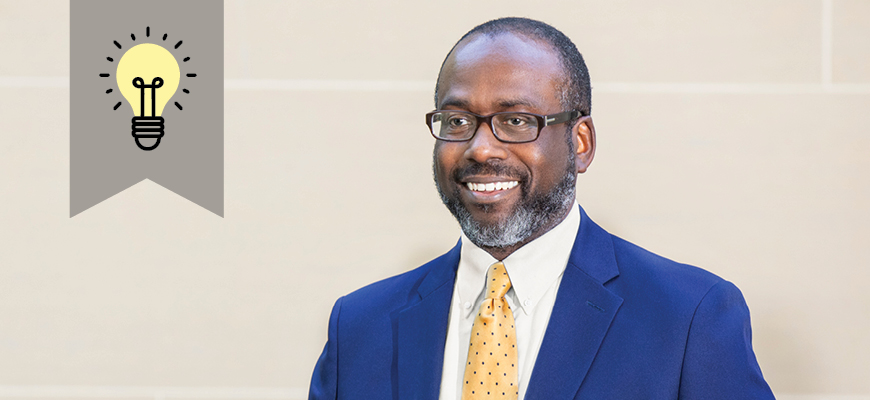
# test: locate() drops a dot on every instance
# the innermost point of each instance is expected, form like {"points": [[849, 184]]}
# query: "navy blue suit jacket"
{"points": [[627, 324]]}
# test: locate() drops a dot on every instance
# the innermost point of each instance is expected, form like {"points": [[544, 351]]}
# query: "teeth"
{"points": [[490, 187]]}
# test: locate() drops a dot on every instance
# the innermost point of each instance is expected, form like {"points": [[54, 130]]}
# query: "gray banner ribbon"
{"points": [[113, 147]]}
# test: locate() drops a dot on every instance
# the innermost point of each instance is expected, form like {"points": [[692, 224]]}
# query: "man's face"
{"points": [[485, 75]]}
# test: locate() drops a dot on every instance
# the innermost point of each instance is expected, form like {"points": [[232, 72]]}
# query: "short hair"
{"points": [[576, 92]]}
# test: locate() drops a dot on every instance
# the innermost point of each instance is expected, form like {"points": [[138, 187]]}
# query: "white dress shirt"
{"points": [[535, 271]]}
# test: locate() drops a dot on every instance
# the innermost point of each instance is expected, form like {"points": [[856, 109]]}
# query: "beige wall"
{"points": [[732, 135]]}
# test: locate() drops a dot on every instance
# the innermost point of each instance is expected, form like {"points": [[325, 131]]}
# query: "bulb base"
{"points": [[147, 128]]}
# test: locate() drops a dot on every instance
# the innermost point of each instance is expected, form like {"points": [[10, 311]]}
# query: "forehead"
{"points": [[484, 71]]}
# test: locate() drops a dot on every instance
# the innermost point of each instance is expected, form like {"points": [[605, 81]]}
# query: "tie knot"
{"points": [[497, 281]]}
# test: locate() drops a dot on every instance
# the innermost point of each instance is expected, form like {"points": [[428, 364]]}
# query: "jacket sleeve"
{"points": [[324, 381], [719, 362]]}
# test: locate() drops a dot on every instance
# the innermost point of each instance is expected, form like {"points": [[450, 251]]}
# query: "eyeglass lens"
{"points": [[457, 125]]}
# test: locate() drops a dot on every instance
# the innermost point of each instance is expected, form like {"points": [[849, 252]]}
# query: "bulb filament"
{"points": [[139, 83], [145, 126]]}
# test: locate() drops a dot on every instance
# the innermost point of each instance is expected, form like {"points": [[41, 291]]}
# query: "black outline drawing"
{"points": [[144, 126]]}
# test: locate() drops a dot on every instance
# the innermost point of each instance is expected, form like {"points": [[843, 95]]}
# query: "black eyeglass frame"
{"points": [[543, 121]]}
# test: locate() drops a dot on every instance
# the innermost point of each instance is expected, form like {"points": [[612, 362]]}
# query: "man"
{"points": [[536, 301]]}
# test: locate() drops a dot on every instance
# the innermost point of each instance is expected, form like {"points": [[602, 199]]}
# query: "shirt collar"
{"points": [[532, 268]]}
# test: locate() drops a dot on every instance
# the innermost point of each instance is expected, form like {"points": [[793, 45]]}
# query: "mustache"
{"points": [[494, 168]]}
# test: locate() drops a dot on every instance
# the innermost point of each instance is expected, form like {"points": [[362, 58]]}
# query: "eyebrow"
{"points": [[459, 103], [507, 103], [515, 102]]}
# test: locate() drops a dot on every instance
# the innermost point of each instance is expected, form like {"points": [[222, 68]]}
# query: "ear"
{"points": [[583, 135]]}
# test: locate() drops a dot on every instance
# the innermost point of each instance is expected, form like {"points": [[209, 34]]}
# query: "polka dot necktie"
{"points": [[491, 370]]}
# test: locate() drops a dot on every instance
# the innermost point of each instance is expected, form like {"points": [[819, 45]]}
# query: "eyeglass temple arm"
{"points": [[559, 118]]}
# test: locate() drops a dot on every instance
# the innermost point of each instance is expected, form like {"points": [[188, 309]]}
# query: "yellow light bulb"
{"points": [[148, 76]]}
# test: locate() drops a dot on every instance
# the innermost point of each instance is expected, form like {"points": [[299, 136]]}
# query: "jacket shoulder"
{"points": [[389, 289], [648, 276], [396, 291]]}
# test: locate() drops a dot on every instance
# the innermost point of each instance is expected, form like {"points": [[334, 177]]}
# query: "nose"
{"points": [[484, 145]]}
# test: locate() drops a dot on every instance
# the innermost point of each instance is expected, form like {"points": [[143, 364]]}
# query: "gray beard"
{"points": [[531, 214]]}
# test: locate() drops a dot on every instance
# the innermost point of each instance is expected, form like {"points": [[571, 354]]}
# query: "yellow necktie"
{"points": [[491, 370]]}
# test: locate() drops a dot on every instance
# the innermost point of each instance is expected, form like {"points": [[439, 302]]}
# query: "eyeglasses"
{"points": [[508, 127]]}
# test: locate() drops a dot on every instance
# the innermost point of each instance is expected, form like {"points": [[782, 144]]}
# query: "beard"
{"points": [[533, 213]]}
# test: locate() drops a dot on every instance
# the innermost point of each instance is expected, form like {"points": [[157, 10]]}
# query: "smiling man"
{"points": [[536, 301]]}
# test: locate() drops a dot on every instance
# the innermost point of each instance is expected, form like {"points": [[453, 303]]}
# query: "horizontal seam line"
{"points": [[426, 86]]}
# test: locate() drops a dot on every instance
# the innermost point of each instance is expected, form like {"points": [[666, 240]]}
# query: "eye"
{"points": [[457, 120], [517, 120]]}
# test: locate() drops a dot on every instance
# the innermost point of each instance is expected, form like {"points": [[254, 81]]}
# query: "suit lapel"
{"points": [[421, 330], [581, 316]]}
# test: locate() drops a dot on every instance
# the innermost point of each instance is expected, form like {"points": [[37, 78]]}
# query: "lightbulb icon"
{"points": [[148, 76]]}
